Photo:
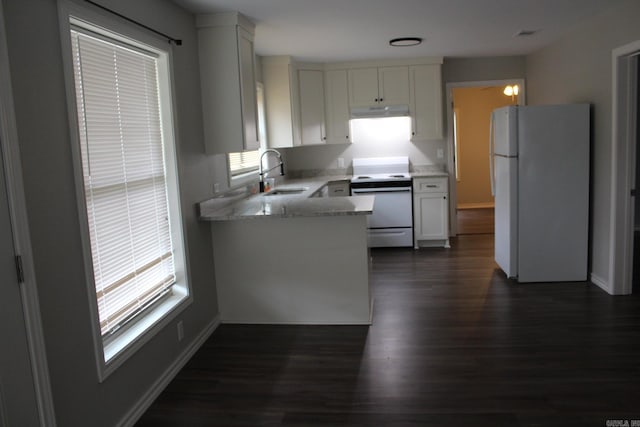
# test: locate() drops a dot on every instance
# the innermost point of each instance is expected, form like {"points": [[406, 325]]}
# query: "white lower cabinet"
{"points": [[338, 188], [430, 212]]}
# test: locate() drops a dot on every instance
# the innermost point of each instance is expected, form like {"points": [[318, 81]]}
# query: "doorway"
{"points": [[635, 282], [18, 401], [471, 201], [624, 165], [25, 392]]}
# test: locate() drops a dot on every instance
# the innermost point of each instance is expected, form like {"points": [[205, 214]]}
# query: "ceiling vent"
{"points": [[525, 33]]}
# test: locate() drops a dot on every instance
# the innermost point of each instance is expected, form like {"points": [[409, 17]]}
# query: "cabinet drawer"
{"points": [[338, 188], [430, 185]]}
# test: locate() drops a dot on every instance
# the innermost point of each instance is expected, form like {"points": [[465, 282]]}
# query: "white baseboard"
{"points": [[487, 205], [601, 283], [169, 374]]}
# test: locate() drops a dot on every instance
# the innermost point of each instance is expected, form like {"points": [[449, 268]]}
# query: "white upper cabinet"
{"points": [[394, 85], [227, 78], [308, 103], [280, 92], [363, 86], [312, 111], [337, 106], [426, 102], [379, 86]]}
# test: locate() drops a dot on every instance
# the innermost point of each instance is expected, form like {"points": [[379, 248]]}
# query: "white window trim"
{"points": [[109, 356]]}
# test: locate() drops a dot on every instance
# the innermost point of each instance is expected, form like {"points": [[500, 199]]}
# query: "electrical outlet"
{"points": [[440, 153], [216, 187], [180, 331], [340, 162]]}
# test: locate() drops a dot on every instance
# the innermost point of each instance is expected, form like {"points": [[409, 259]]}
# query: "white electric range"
{"points": [[388, 179]]}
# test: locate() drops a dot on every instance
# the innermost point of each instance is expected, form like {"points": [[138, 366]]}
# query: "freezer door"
{"points": [[505, 131], [506, 214]]}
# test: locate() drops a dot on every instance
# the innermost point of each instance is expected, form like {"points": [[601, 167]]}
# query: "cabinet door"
{"points": [[227, 81], [278, 77], [338, 188], [311, 95], [431, 216], [393, 85], [248, 90], [337, 106], [426, 102], [363, 87]]}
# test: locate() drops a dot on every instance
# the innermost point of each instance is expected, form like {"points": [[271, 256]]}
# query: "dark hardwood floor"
{"points": [[453, 343], [475, 221]]}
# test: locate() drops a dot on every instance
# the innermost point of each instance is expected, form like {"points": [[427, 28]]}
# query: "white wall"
{"points": [[38, 83], [578, 68]]}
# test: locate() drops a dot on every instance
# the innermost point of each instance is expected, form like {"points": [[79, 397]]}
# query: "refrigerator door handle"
{"points": [[491, 156]]}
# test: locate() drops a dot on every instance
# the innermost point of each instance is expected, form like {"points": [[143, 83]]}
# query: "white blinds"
{"points": [[244, 162], [124, 175]]}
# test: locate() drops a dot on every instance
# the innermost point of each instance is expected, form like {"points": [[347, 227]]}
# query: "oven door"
{"points": [[392, 207], [391, 223]]}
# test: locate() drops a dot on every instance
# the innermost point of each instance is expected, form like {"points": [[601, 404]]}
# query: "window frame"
{"points": [[113, 352]]}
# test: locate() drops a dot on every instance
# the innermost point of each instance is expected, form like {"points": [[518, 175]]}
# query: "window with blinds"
{"points": [[124, 173], [244, 162]]}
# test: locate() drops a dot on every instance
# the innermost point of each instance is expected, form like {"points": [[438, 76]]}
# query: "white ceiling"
{"points": [[339, 30]]}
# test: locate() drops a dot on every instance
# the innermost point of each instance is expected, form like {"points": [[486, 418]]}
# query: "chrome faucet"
{"points": [[263, 174]]}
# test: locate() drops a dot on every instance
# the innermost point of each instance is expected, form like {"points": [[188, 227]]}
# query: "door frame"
{"points": [[623, 164], [21, 237], [453, 194]]}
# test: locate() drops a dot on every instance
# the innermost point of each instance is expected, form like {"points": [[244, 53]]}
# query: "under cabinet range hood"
{"points": [[379, 111]]}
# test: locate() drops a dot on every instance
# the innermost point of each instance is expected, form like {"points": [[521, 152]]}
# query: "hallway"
{"points": [[476, 221]]}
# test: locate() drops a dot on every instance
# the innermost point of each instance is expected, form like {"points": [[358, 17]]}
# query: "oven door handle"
{"points": [[380, 190]]}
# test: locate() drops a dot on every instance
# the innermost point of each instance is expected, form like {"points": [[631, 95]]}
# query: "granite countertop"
{"points": [[289, 205], [429, 174], [245, 206]]}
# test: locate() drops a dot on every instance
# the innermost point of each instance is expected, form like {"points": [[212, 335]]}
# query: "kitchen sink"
{"points": [[286, 191]]}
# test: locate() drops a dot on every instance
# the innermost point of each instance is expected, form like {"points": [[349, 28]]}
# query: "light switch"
{"points": [[440, 153], [340, 162]]}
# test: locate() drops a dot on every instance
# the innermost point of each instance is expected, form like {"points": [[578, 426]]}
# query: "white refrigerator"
{"points": [[539, 158]]}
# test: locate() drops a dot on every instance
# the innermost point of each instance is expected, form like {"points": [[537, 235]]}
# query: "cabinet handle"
{"points": [[381, 99], [376, 100], [432, 186], [347, 136]]}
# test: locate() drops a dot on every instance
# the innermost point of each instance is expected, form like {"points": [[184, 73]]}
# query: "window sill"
{"points": [[119, 349], [243, 179]]}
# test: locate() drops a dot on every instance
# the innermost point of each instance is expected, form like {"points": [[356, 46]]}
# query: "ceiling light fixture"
{"points": [[405, 41]]}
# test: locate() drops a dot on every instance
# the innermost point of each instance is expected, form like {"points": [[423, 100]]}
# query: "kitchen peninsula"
{"points": [[292, 258]]}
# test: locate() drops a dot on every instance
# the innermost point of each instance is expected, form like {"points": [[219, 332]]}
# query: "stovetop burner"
{"points": [[381, 177], [381, 169]]}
